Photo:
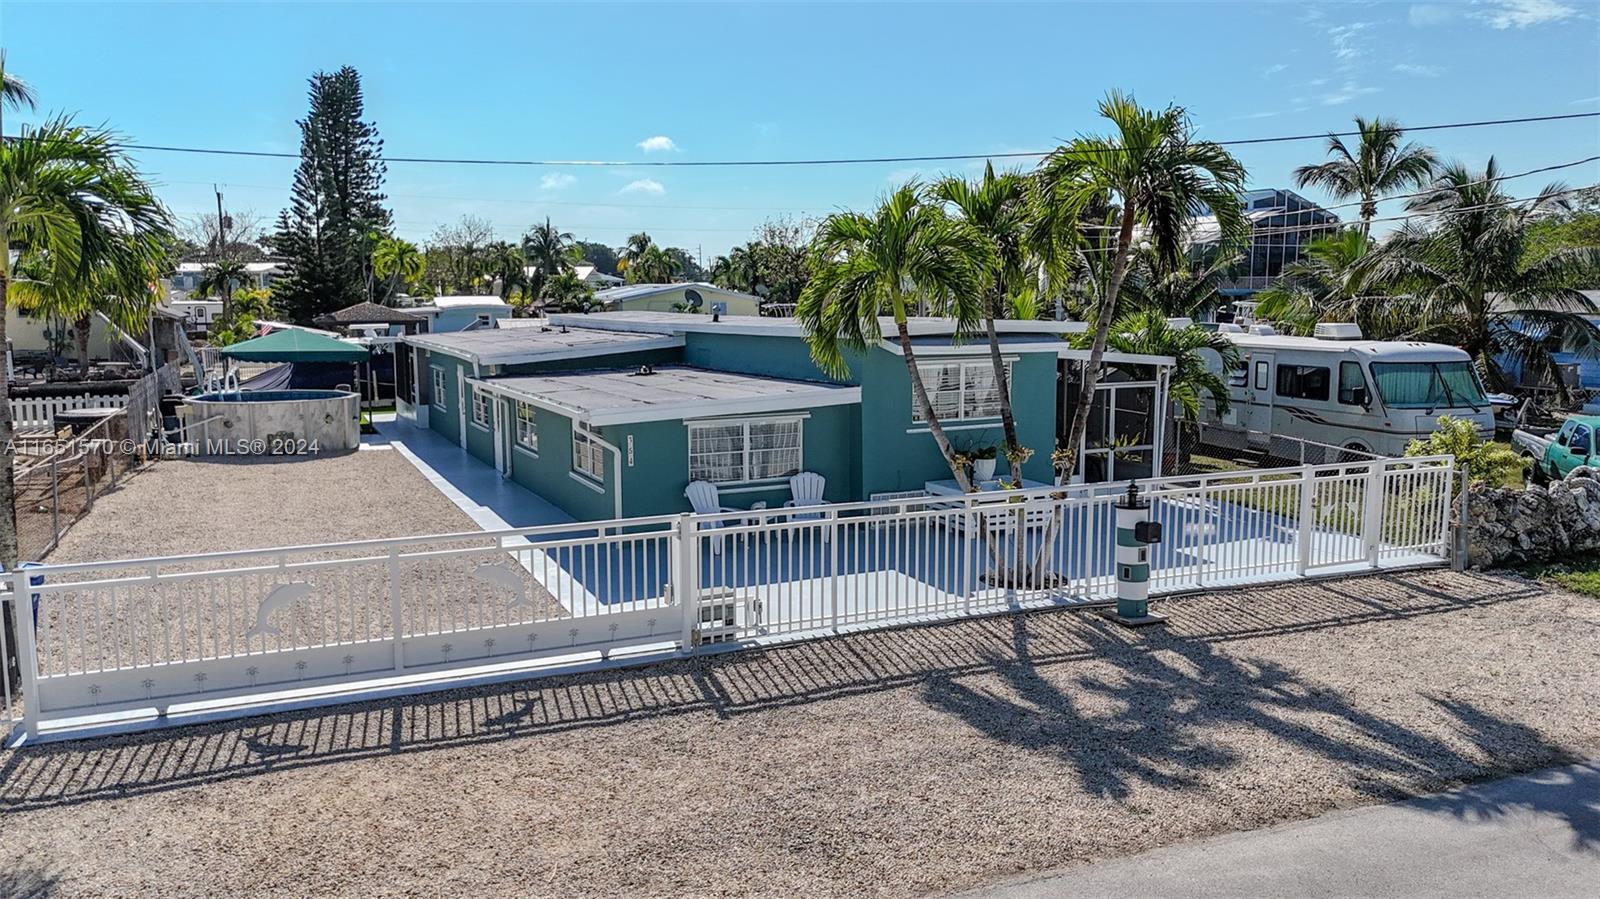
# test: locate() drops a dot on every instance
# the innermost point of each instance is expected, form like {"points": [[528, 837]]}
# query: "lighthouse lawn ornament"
{"points": [[1135, 535]]}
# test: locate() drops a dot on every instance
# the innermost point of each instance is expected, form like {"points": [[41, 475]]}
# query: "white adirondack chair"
{"points": [[807, 488], [704, 499]]}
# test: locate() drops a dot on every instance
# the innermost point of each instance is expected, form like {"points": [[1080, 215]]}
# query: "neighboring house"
{"points": [[1579, 369], [588, 274], [41, 336], [372, 320], [1281, 222], [613, 414], [696, 297], [468, 313], [187, 276]]}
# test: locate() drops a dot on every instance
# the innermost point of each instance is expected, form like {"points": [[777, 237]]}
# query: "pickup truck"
{"points": [[1557, 451]]}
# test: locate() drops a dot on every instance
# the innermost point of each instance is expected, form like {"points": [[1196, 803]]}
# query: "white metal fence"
{"points": [[224, 630]]}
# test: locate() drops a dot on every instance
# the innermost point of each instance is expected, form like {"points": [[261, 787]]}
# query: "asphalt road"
{"points": [[1535, 835]]}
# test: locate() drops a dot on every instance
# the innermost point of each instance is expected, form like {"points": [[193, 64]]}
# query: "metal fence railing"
{"points": [[121, 636]]}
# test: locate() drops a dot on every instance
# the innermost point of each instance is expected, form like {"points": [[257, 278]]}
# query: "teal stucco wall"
{"points": [[549, 473], [899, 453], [447, 420]]}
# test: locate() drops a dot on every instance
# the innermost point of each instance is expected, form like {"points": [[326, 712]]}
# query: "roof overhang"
{"points": [[661, 342], [1057, 348], [823, 396]]}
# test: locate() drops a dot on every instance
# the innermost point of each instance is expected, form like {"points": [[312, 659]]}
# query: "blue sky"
{"points": [[774, 81]]}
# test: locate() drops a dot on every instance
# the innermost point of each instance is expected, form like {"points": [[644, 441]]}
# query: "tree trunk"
{"points": [[8, 457], [80, 339], [1102, 331], [1008, 422], [919, 392]]}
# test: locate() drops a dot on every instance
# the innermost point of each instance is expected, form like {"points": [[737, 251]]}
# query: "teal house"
{"points": [[612, 415]]}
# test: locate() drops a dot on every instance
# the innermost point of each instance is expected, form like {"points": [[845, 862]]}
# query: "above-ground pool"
{"points": [[273, 422]]}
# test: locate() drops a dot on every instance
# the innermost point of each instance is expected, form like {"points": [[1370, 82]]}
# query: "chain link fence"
{"points": [[1197, 448]]}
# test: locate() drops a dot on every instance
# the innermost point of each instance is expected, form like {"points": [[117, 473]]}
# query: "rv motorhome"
{"points": [[1338, 389]]}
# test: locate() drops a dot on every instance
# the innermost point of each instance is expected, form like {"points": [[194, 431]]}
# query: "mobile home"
{"points": [[1335, 388]]}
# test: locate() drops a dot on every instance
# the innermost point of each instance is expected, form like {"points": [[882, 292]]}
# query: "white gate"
{"points": [[225, 631]]}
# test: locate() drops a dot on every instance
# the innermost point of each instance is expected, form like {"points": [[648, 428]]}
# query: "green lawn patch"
{"points": [[1580, 575]]}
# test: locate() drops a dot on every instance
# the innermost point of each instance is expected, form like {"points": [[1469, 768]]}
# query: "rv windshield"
{"points": [[1428, 385]]}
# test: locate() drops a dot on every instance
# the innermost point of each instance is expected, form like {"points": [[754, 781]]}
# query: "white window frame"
{"points": [[799, 421], [586, 450], [437, 399], [527, 428], [930, 371], [487, 406]]}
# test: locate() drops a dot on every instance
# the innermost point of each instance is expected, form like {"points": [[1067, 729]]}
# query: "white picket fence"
{"points": [[234, 631], [32, 413]]}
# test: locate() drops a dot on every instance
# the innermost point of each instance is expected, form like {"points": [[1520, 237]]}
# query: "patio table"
{"points": [[948, 487]]}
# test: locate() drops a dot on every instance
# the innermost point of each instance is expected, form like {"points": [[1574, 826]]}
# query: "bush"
{"points": [[1487, 462]]}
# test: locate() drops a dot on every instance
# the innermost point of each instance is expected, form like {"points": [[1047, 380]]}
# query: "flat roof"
{"points": [[680, 322], [513, 346], [1386, 350], [668, 393]]}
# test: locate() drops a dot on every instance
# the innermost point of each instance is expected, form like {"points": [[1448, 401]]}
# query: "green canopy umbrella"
{"points": [[294, 345]]}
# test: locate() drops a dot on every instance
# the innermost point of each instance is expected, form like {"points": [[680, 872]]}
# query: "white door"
{"points": [[497, 415], [1258, 394]]}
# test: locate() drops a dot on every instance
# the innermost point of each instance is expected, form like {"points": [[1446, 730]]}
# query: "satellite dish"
{"points": [[692, 296]]}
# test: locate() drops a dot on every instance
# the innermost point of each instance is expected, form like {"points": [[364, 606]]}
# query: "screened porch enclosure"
{"points": [[1128, 420]]}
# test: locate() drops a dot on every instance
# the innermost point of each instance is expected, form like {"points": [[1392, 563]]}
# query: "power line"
{"points": [[869, 160]]}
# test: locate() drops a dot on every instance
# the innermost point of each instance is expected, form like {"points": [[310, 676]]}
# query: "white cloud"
{"points": [[1275, 69], [1421, 71], [1584, 101], [1346, 92], [1424, 14], [1504, 14], [556, 181], [644, 186], [658, 144], [1345, 48]]}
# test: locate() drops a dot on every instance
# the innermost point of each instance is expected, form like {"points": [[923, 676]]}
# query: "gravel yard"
{"points": [[187, 506], [193, 505], [889, 764]]}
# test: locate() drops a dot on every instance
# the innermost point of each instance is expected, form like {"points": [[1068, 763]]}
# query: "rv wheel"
{"points": [[1354, 452]]}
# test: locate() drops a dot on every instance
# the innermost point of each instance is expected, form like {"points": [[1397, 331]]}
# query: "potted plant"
{"points": [[983, 459]]}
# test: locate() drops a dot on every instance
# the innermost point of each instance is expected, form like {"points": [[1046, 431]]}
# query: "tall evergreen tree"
{"points": [[337, 201]]}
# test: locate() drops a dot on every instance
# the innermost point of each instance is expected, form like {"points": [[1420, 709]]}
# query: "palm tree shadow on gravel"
{"points": [[1171, 692], [1176, 685]]}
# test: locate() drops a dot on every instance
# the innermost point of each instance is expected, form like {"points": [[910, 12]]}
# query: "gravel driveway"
{"points": [[887, 764]]}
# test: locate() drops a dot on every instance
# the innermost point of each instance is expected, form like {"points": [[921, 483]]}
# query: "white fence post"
{"points": [[685, 580], [1308, 518], [1372, 517], [396, 610], [27, 652]]}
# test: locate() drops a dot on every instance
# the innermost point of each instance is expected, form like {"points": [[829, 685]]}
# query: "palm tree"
{"points": [[220, 279], [1327, 284], [549, 250], [14, 92], [567, 292], [1159, 176], [399, 261], [654, 265], [1191, 289], [1380, 166], [637, 246], [1148, 332], [71, 200], [908, 251], [995, 206], [506, 266], [1474, 285], [744, 267]]}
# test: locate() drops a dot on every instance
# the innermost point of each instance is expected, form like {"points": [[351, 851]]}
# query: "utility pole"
{"points": [[222, 227]]}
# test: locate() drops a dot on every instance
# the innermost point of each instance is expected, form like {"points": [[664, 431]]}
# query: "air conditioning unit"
{"points": [[1263, 330], [1337, 331], [1229, 328]]}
